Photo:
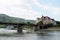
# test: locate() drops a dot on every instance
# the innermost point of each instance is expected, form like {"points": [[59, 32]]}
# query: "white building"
{"points": [[53, 21]]}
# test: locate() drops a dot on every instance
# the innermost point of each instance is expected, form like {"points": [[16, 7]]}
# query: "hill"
{"points": [[6, 18]]}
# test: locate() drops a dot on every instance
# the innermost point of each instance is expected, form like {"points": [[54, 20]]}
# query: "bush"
{"points": [[40, 23], [49, 25]]}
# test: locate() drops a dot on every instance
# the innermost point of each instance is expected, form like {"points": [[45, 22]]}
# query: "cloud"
{"points": [[54, 10], [18, 8], [23, 8]]}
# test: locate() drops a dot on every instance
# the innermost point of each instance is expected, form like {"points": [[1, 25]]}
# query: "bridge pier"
{"points": [[19, 29], [36, 28]]}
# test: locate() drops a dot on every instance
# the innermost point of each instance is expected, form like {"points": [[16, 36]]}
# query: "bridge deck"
{"points": [[3, 23]]}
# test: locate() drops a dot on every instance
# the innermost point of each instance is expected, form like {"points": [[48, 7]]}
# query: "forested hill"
{"points": [[6, 18]]}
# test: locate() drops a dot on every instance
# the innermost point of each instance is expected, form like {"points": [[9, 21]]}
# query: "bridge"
{"points": [[19, 25]]}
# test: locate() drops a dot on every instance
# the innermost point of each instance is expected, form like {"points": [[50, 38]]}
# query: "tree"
{"points": [[28, 22], [49, 25], [58, 23], [40, 23]]}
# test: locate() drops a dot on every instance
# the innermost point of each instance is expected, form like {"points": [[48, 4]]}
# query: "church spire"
{"points": [[42, 17]]}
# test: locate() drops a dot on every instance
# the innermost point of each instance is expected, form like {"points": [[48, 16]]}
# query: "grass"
{"points": [[53, 28]]}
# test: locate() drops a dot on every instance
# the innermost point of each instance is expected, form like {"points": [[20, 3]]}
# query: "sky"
{"points": [[31, 9]]}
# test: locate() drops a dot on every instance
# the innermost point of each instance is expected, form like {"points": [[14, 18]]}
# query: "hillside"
{"points": [[6, 18]]}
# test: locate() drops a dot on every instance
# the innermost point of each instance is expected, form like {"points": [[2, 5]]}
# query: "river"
{"points": [[6, 34]]}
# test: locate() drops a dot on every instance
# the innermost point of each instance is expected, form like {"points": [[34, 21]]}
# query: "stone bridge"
{"points": [[19, 25]]}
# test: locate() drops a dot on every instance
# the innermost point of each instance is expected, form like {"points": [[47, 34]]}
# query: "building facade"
{"points": [[46, 20]]}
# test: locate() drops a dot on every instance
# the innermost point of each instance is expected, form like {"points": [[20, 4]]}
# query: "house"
{"points": [[46, 20]]}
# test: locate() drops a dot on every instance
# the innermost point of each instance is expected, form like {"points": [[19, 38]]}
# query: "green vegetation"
{"points": [[2, 26], [28, 27], [40, 23], [54, 27], [45, 26], [58, 23], [49, 25], [5, 18]]}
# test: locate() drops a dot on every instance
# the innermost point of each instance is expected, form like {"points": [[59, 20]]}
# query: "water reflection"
{"points": [[40, 35], [48, 35]]}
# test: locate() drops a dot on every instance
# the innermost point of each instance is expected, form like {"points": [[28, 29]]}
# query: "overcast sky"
{"points": [[31, 9]]}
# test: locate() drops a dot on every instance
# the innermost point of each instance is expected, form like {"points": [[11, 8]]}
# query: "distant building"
{"points": [[53, 21], [46, 20], [38, 20]]}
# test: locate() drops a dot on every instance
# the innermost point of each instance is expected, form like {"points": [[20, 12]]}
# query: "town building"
{"points": [[46, 20]]}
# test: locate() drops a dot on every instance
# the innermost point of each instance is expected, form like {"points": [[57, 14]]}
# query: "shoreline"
{"points": [[53, 28]]}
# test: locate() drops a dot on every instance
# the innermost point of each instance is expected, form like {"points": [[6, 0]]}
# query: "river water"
{"points": [[6, 34]]}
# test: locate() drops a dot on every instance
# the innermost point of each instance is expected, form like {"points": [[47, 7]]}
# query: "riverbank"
{"points": [[53, 28]]}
